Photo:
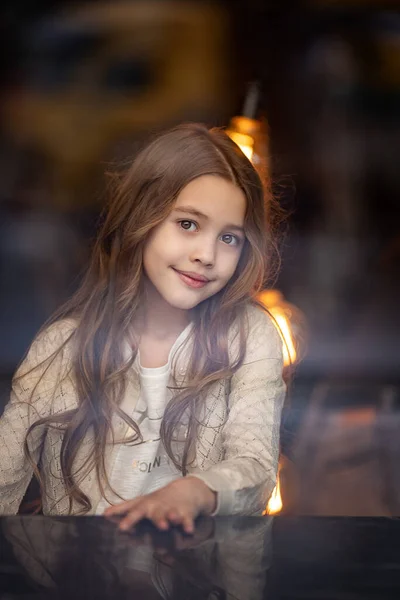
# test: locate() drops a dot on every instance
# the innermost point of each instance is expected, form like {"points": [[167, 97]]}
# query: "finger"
{"points": [[174, 517], [120, 509], [159, 517], [133, 516], [188, 524]]}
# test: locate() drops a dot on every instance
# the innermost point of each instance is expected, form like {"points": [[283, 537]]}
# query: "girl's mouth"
{"points": [[192, 281]]}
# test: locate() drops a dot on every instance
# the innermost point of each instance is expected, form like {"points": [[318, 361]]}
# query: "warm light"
{"points": [[275, 505], [274, 302], [243, 131], [244, 141], [285, 317], [289, 351]]}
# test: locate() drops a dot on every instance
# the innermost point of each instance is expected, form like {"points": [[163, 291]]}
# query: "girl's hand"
{"points": [[178, 503]]}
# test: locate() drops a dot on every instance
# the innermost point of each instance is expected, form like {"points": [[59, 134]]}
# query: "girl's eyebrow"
{"points": [[193, 211]]}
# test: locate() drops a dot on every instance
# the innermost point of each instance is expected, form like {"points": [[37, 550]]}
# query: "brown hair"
{"points": [[112, 290]]}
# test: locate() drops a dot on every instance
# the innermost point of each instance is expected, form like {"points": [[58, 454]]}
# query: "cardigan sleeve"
{"points": [[31, 399], [245, 478]]}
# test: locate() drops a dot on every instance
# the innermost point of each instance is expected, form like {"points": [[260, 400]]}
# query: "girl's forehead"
{"points": [[213, 196], [209, 183]]}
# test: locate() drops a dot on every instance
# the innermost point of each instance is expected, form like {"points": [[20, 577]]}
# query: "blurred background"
{"points": [[316, 86]]}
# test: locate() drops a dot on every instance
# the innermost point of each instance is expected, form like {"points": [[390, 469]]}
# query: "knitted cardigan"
{"points": [[237, 448]]}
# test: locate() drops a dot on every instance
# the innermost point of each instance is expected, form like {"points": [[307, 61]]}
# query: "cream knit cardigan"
{"points": [[237, 447]]}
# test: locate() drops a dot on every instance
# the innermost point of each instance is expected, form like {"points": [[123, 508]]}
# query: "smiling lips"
{"points": [[191, 279]]}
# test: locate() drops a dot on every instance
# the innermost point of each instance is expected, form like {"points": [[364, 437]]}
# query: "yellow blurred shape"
{"points": [[280, 310], [275, 504], [182, 48], [244, 132], [244, 141]]}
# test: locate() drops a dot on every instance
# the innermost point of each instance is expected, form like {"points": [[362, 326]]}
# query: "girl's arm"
{"points": [[31, 399], [246, 477]]}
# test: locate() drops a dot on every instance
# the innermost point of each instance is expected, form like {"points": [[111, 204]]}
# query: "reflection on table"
{"points": [[249, 558]]}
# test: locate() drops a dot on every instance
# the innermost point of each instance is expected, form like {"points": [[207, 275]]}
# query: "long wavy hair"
{"points": [[112, 291]]}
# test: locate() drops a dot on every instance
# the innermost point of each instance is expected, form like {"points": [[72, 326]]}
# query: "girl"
{"points": [[156, 391]]}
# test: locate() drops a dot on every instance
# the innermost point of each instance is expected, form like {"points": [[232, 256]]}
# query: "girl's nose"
{"points": [[205, 252]]}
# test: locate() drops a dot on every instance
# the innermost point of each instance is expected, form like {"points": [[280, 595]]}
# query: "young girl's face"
{"points": [[194, 252]]}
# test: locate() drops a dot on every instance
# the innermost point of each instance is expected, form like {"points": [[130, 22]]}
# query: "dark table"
{"points": [[245, 558]]}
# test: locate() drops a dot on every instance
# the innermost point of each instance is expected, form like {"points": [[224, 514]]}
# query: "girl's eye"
{"points": [[186, 225], [230, 239]]}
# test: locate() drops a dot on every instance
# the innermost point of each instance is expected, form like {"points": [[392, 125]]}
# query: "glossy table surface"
{"points": [[244, 558]]}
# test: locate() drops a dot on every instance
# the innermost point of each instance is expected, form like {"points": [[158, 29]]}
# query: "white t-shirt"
{"points": [[144, 467]]}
